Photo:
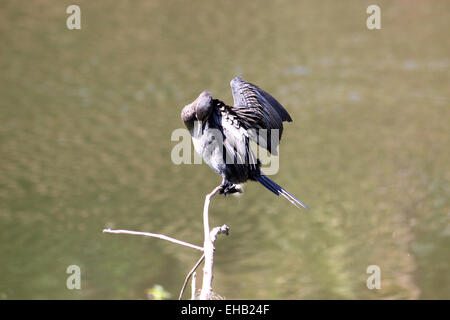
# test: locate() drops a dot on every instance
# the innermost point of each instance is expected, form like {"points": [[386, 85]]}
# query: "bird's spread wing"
{"points": [[256, 109]]}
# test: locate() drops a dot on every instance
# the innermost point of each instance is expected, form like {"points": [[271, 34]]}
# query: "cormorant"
{"points": [[221, 134]]}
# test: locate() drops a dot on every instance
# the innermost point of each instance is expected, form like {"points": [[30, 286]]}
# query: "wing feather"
{"points": [[256, 110]]}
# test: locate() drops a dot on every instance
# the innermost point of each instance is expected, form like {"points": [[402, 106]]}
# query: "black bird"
{"points": [[221, 134]]}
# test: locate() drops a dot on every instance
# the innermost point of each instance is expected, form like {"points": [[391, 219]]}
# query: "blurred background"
{"points": [[86, 120]]}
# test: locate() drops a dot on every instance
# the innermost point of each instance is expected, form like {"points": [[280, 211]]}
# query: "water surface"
{"points": [[87, 116]]}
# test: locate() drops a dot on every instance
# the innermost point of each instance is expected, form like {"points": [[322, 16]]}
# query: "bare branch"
{"points": [[189, 275], [155, 235], [208, 249], [193, 285], [218, 230]]}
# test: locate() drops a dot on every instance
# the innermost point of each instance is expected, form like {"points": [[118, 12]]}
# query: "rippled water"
{"points": [[85, 144]]}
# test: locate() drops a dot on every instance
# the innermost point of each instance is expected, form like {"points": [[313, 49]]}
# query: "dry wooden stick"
{"points": [[210, 237], [154, 235]]}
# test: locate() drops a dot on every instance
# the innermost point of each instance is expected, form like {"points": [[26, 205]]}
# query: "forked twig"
{"points": [[210, 237]]}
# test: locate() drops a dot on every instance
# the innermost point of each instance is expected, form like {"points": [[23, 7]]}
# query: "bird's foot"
{"points": [[229, 188]]}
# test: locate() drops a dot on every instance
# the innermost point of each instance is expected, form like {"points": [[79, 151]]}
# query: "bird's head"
{"points": [[199, 110]]}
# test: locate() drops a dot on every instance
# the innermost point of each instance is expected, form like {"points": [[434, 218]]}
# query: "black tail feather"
{"points": [[275, 188]]}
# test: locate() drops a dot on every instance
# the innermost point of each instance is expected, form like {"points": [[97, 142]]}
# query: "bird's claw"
{"points": [[228, 188]]}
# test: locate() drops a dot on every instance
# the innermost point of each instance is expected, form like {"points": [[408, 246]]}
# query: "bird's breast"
{"points": [[208, 144]]}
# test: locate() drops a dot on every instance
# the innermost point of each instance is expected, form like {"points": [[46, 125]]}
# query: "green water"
{"points": [[86, 120]]}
